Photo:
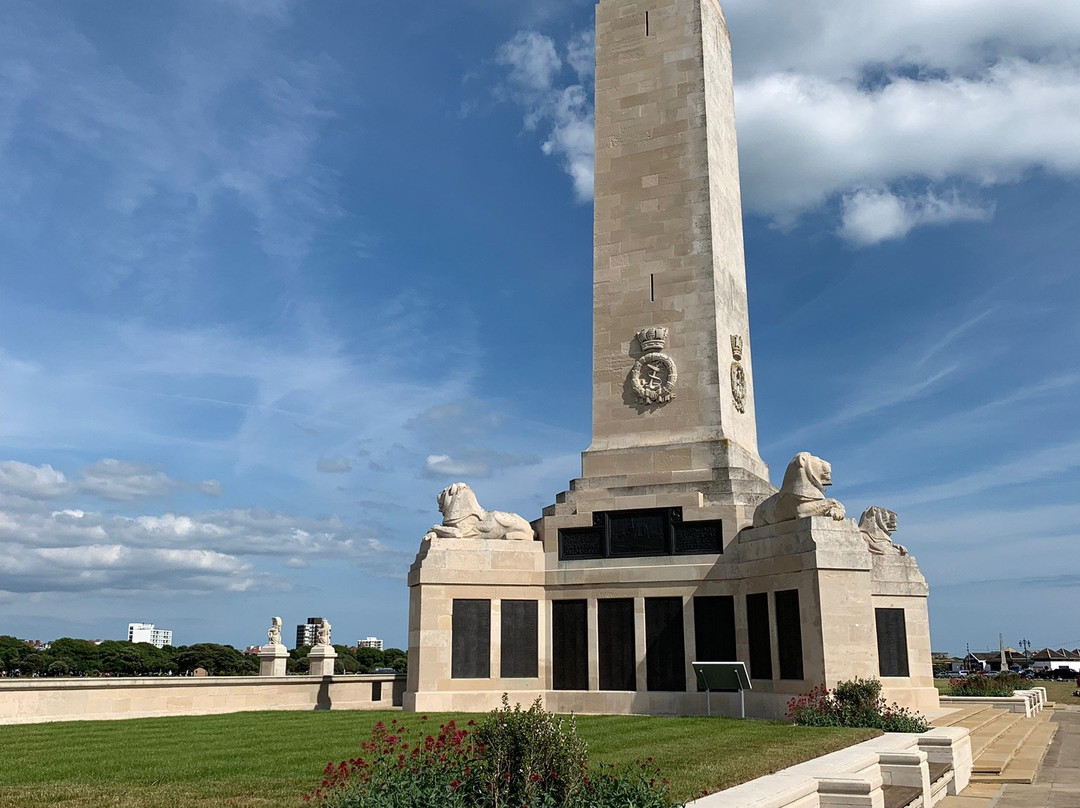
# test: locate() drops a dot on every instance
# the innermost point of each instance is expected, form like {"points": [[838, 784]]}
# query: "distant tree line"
{"points": [[352, 660], [70, 657]]}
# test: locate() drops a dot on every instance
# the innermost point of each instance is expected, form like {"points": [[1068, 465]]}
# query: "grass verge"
{"points": [[272, 758], [1060, 692]]}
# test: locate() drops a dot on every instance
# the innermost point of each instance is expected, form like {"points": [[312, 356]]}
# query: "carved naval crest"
{"points": [[738, 375], [654, 374], [738, 386]]}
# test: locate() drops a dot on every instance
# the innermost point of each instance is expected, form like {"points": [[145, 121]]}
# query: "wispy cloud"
{"points": [[893, 123], [162, 159], [562, 111]]}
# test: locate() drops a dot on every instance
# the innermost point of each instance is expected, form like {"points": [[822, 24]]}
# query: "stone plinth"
{"points": [[819, 564], [321, 660], [491, 571], [272, 660]]}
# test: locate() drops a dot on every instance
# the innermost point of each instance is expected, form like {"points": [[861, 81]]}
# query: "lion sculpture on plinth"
{"points": [[463, 518], [802, 494], [877, 525]]}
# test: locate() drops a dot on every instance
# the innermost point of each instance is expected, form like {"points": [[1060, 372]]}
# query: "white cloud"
{"points": [[581, 54], [212, 488], [841, 38], [117, 480], [333, 465], [169, 149], [36, 482], [894, 111], [563, 111], [532, 59], [805, 139], [571, 138], [473, 463], [870, 216], [72, 550]]}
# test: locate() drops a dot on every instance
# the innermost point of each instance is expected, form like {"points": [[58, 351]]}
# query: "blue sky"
{"points": [[274, 273]]}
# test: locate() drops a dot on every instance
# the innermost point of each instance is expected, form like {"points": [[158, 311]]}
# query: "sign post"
{"points": [[723, 676]]}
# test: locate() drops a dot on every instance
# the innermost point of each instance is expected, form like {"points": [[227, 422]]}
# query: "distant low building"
{"points": [[1054, 658], [145, 632], [370, 642]]}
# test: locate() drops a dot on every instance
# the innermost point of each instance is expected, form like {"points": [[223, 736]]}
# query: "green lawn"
{"points": [[1060, 692], [272, 758]]}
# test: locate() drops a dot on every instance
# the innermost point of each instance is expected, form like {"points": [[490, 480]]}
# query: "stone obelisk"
{"points": [[673, 388]]}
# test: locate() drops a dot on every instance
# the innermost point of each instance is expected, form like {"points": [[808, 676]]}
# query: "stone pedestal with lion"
{"points": [[607, 608]]}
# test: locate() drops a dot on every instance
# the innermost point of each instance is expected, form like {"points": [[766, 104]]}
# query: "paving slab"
{"points": [[1057, 782]]}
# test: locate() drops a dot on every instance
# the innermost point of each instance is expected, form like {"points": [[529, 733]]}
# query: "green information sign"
{"points": [[726, 677]]}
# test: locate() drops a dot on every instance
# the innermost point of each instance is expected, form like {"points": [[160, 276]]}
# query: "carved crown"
{"points": [[652, 338], [736, 347]]}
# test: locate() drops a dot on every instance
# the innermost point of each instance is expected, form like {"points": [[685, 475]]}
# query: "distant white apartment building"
{"points": [[370, 642], [145, 632]]}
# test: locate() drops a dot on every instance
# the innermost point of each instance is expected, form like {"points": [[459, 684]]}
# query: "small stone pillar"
{"points": [[272, 659], [321, 659]]}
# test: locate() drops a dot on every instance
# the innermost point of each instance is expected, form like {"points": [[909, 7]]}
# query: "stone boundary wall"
{"points": [[32, 701], [857, 777], [1029, 702]]}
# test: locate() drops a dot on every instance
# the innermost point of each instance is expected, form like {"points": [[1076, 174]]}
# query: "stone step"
{"points": [[998, 755], [989, 732], [985, 716], [976, 795], [956, 717], [1025, 763], [964, 801]]}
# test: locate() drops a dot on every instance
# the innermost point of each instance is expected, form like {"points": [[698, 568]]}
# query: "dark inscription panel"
{"points": [[759, 635], [789, 634], [638, 533], [617, 657], [519, 639], [699, 537], [665, 651], [891, 642], [376, 691], [569, 645], [581, 542], [471, 643], [714, 628]]}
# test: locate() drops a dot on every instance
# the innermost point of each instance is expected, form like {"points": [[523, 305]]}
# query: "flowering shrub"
{"points": [[1003, 684], [854, 703], [399, 770], [531, 754], [514, 757]]}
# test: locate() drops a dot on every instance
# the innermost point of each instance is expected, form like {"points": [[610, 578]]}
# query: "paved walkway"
{"points": [[1057, 785]]}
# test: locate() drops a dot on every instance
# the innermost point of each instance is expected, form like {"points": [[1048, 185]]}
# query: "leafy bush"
{"points": [[396, 772], [514, 757], [1003, 684], [531, 754], [853, 703], [639, 786]]}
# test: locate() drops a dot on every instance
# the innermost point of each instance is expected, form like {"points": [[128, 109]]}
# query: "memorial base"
{"points": [[321, 660], [272, 659]]}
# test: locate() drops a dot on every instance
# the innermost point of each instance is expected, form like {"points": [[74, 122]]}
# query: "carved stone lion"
{"points": [[463, 518], [802, 494], [877, 525]]}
